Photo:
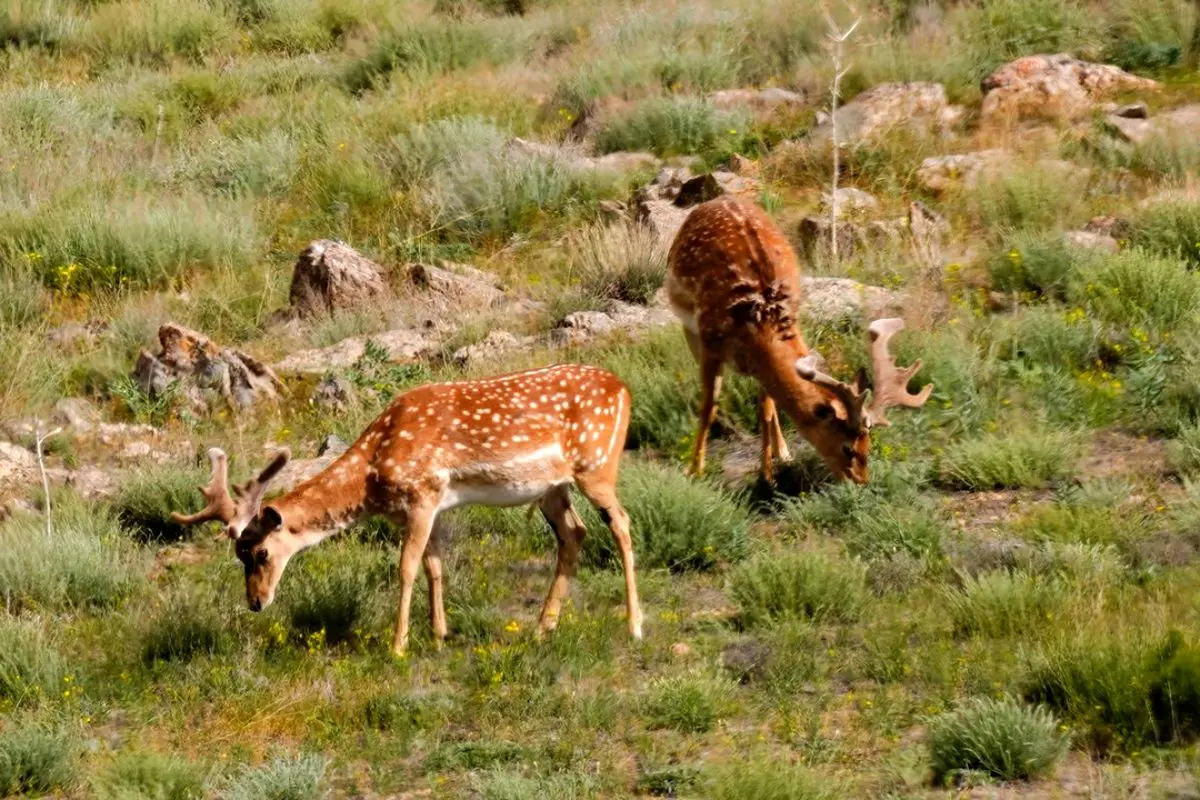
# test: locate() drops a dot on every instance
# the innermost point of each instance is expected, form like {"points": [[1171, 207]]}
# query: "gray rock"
{"points": [[76, 413], [491, 348], [940, 173], [836, 300], [333, 393], [330, 276], [885, 107], [1181, 121], [332, 445], [664, 203], [573, 156], [205, 371], [851, 202], [1087, 240], [402, 344], [459, 283], [768, 99]]}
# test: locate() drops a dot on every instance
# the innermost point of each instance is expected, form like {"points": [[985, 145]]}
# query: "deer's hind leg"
{"points": [[432, 561], [569, 530], [600, 489], [710, 390]]}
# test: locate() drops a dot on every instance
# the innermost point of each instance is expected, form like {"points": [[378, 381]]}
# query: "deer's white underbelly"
{"points": [[517, 481], [503, 495]]}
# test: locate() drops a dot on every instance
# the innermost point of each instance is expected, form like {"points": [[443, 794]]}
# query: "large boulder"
{"points": [[330, 276], [771, 98], [917, 105], [1055, 86], [664, 203], [938, 174], [401, 345], [204, 371], [832, 301], [454, 286]]}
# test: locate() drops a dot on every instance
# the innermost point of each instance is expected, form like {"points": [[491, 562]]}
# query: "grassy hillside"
{"points": [[1011, 599]]}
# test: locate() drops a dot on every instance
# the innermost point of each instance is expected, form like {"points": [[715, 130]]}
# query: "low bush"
{"points": [[87, 562], [777, 587], [620, 262], [30, 667], [1004, 603], [1136, 290], [281, 778], [1183, 452], [335, 591], [768, 780], [512, 785], [474, 755], [35, 760], [146, 499], [1038, 263], [1021, 460], [671, 126], [690, 703], [1170, 229], [151, 776], [675, 522], [183, 628], [1001, 739], [1028, 199]]}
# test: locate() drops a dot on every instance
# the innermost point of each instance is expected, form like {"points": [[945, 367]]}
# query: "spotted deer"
{"points": [[505, 441], [734, 282]]}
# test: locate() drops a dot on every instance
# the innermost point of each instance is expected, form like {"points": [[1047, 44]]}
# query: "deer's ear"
{"points": [[862, 381], [271, 519]]}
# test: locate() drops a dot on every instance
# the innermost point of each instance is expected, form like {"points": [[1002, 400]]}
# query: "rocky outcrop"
{"points": [[851, 202], [491, 348], [454, 286], [330, 276], [204, 371], [583, 326], [758, 100], [837, 300], [665, 203], [402, 344], [938, 174], [920, 106], [1055, 86], [1088, 240], [575, 157], [1181, 121]]}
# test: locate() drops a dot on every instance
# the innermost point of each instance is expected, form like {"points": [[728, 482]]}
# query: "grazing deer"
{"points": [[734, 282], [503, 441]]}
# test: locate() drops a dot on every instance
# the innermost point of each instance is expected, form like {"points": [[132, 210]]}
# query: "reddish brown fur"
{"points": [[734, 281], [509, 440]]}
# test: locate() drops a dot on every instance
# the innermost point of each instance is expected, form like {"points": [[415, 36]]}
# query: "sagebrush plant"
{"points": [[1021, 460], [767, 779], [31, 669], [36, 760], [778, 587], [302, 777], [620, 262], [1001, 739], [148, 774], [673, 125], [184, 627], [1004, 603], [1139, 291], [88, 562], [334, 592], [675, 522], [1170, 228], [690, 703]]}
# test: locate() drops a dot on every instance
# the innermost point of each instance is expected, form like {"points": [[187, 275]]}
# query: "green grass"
{"points": [[1170, 228], [334, 592], [281, 778], [771, 589], [620, 262], [1000, 739], [151, 775], [36, 760], [1018, 461], [768, 780], [31, 669], [1004, 603], [691, 703], [673, 125], [183, 628]]}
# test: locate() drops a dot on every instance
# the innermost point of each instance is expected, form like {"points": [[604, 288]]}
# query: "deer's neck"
{"points": [[774, 367], [329, 501]]}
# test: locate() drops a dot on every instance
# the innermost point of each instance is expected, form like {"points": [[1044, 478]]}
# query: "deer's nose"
{"points": [[256, 604]]}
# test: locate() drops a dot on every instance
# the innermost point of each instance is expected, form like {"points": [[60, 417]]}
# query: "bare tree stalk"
{"points": [[40, 441], [158, 129], [837, 41]]}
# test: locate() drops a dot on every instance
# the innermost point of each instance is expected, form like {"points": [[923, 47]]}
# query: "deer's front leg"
{"points": [[569, 530], [710, 390], [773, 443], [432, 560], [416, 538]]}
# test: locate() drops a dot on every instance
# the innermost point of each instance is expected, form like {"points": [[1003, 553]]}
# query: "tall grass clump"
{"points": [[1126, 690], [997, 31], [335, 592], [620, 262], [1152, 35], [146, 499], [1021, 460], [1026, 199], [30, 667], [282, 778], [774, 588], [676, 523], [661, 373], [1004, 603], [1136, 289], [1170, 228], [105, 244], [1038, 263], [35, 760], [1000, 739], [690, 703], [672, 126], [150, 775], [156, 31], [184, 627], [1183, 452], [1049, 337], [768, 780], [263, 166], [87, 562]]}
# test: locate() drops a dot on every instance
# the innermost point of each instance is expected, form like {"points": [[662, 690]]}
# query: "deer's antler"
{"points": [[222, 505], [891, 383]]}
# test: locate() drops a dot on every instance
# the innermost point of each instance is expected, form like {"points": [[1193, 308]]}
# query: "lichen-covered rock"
{"points": [[835, 300], [1182, 121], [491, 348], [204, 371], [664, 203], [1057, 86], [330, 276], [403, 344], [574, 157], [456, 285], [1087, 240], [940, 173], [886, 107], [76, 413], [851, 202]]}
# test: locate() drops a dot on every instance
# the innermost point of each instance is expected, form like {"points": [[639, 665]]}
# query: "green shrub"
{"points": [[690, 703], [675, 522], [402, 714], [474, 755], [1151, 35], [897, 530], [662, 377], [1050, 337], [1068, 523], [1026, 199], [156, 30], [1137, 290], [668, 781], [1183, 452], [997, 31], [1040, 263], [1004, 603], [1002, 739], [770, 589], [768, 780], [21, 301], [1126, 690], [1023, 460], [672, 126], [620, 262], [88, 562], [246, 166], [35, 760], [1170, 229], [335, 591], [281, 778], [30, 667], [150, 776], [146, 499], [511, 785], [1086, 565], [184, 627]]}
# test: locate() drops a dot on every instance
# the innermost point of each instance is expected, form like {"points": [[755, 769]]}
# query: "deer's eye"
{"points": [[261, 557], [848, 449], [823, 411]]}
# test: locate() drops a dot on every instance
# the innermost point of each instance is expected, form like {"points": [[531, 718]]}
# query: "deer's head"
{"points": [[260, 540], [841, 422]]}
